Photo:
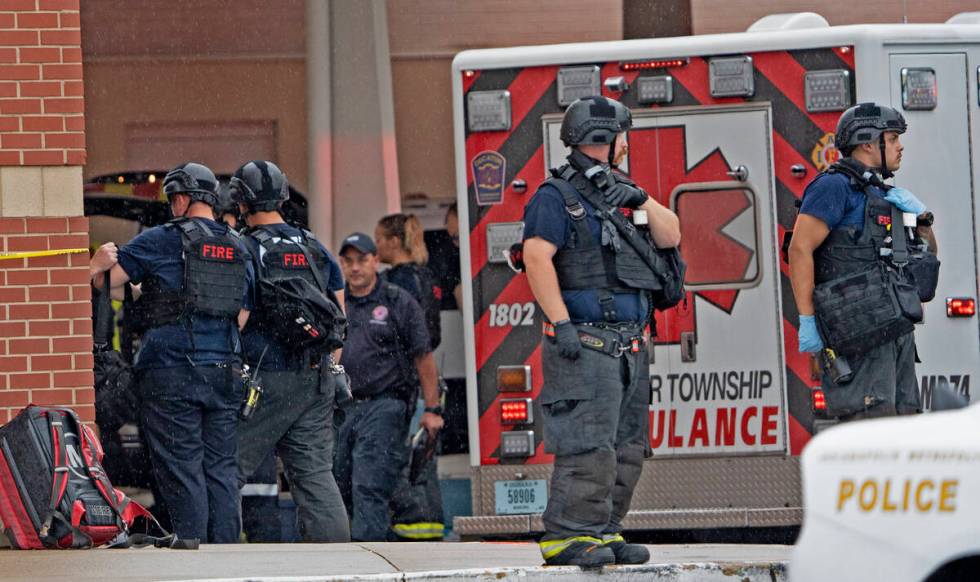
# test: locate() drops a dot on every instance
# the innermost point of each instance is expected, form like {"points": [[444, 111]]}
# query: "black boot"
{"points": [[626, 553], [584, 551]]}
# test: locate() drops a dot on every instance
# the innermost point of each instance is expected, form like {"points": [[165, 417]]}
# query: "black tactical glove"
{"points": [[621, 195], [566, 336]]}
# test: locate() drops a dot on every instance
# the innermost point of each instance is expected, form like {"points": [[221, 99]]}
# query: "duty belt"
{"points": [[625, 339]]}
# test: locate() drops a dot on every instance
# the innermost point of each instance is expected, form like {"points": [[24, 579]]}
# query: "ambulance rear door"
{"points": [[717, 374], [937, 95]]}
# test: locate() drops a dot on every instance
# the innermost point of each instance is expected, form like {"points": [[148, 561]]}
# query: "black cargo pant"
{"points": [[884, 383], [596, 413], [371, 454], [189, 417], [295, 417]]}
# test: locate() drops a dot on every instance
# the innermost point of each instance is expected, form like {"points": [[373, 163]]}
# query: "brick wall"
{"points": [[45, 302]]}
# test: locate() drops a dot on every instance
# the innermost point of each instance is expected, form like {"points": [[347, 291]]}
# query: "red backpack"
{"points": [[54, 492]]}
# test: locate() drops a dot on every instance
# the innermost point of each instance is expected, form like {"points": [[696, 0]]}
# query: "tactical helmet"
{"points": [[225, 205], [260, 185], [594, 120], [195, 180], [864, 123]]}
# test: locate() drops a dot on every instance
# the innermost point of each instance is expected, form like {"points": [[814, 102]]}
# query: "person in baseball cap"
{"points": [[361, 242]]}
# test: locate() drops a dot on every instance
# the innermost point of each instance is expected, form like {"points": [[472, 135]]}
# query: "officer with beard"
{"points": [[594, 288]]}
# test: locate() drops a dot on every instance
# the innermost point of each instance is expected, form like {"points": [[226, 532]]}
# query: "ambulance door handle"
{"points": [[688, 347], [740, 173]]}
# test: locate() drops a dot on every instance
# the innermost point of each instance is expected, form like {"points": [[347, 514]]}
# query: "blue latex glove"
{"points": [[905, 201], [809, 336]]}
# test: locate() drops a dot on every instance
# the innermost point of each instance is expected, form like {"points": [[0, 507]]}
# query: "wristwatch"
{"points": [[434, 410]]}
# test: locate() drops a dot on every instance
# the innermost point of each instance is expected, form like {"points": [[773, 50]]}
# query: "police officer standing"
{"points": [[847, 228], [388, 355], [295, 413], [196, 291], [595, 397]]}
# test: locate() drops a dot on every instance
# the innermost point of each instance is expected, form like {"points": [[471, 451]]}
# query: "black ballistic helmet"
{"points": [[260, 185], [864, 123], [594, 121], [195, 180], [225, 203]]}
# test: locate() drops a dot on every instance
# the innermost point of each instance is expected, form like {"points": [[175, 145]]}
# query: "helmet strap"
{"points": [[885, 172], [611, 158]]}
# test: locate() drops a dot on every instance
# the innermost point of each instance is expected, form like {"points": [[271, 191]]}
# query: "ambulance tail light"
{"points": [[960, 307], [518, 443], [819, 400], [514, 378], [516, 411]]}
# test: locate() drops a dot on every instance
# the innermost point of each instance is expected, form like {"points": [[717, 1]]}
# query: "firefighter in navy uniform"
{"points": [[295, 415], [388, 355], [197, 284], [845, 229], [592, 287]]}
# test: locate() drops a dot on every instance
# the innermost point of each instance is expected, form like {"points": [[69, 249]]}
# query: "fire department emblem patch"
{"points": [[825, 153], [489, 168], [380, 313]]}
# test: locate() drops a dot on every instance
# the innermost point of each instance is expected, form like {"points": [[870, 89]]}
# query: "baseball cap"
{"points": [[361, 242]]}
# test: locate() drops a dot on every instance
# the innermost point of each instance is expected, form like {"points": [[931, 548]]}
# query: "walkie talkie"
{"points": [[253, 389]]}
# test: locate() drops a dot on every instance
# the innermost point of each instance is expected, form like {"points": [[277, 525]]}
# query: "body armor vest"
{"points": [[214, 278], [862, 297], [283, 258], [584, 263]]}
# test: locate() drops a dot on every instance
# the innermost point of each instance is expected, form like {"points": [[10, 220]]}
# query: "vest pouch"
{"points": [[923, 270], [908, 297], [859, 312], [633, 272], [672, 291]]}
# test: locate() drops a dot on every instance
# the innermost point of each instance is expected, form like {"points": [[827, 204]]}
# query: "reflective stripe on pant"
{"points": [[295, 418], [420, 530], [371, 453], [189, 417], [596, 410]]}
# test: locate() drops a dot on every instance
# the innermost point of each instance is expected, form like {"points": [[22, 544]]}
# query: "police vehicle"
{"points": [[893, 499], [727, 131]]}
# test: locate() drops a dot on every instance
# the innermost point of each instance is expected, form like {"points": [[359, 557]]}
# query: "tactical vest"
{"points": [[862, 297], [283, 258], [214, 278]]}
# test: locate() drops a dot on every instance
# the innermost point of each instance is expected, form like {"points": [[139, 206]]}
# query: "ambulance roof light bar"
{"points": [[919, 89], [731, 76], [488, 111], [653, 64], [577, 82], [828, 90]]}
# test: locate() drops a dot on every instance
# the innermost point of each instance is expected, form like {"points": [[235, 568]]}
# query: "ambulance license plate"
{"points": [[516, 497]]}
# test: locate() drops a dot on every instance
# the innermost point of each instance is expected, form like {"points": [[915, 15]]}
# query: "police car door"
{"points": [[933, 92], [717, 371]]}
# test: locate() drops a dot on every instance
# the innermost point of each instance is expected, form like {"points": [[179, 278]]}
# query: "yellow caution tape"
{"points": [[32, 254]]}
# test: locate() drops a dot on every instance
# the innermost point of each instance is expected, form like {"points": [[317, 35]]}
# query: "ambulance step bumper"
{"points": [[494, 525]]}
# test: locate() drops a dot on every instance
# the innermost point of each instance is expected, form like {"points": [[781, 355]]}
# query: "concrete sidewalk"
{"points": [[383, 561]]}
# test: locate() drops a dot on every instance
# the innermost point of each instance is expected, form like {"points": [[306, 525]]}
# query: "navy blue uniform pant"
{"points": [[371, 453], [190, 416]]}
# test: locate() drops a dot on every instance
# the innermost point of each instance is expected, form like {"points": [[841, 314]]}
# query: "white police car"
{"points": [[892, 499]]}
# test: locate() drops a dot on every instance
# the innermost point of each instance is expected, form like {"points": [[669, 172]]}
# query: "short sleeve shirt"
{"points": [[279, 357], [546, 217], [832, 199], [386, 332], [202, 339]]}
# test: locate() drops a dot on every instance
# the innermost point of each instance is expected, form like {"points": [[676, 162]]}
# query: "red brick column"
{"points": [[45, 302]]}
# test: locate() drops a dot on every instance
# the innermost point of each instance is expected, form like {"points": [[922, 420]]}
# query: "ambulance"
{"points": [[727, 131]]}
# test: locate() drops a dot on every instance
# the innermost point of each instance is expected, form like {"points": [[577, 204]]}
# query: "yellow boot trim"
{"points": [[551, 548], [610, 538], [420, 531]]}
